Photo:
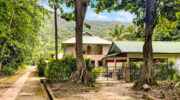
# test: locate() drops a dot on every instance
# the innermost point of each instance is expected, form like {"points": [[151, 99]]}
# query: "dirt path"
{"points": [[24, 86], [12, 92], [120, 91], [7, 82], [32, 88], [113, 92]]}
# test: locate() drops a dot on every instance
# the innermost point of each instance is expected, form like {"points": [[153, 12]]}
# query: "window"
{"points": [[97, 49], [84, 52], [100, 63], [93, 63], [89, 50]]}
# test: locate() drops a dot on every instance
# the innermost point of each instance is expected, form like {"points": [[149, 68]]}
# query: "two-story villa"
{"points": [[93, 47]]}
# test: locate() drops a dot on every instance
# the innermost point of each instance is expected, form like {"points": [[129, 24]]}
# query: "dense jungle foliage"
{"points": [[20, 22]]}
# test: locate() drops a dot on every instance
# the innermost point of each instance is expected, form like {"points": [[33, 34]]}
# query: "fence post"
{"points": [[107, 73], [127, 73]]}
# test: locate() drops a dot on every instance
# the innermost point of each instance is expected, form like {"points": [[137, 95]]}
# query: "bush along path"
{"points": [[27, 84]]}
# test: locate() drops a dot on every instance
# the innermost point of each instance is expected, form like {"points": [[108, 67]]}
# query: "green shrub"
{"points": [[69, 61], [88, 64], [97, 72], [63, 68], [136, 70], [163, 71], [176, 78], [23, 66], [8, 70], [42, 66], [58, 70]]}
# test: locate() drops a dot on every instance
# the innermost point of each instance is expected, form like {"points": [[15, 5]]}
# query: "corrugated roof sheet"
{"points": [[158, 46], [88, 38]]}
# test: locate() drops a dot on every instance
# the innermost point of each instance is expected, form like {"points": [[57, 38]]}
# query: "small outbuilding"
{"points": [[131, 51]]}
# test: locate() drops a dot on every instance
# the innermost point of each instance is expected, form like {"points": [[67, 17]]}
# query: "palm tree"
{"points": [[129, 33], [117, 32]]}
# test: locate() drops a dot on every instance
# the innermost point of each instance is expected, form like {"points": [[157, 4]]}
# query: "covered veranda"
{"points": [[121, 63]]}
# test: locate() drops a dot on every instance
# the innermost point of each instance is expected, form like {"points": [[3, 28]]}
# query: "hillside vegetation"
{"points": [[66, 30]]}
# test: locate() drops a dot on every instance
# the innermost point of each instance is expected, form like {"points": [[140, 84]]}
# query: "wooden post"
{"points": [[104, 62], [115, 63], [127, 71], [107, 73]]}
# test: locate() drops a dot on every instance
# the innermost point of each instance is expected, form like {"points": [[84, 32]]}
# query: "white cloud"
{"points": [[46, 6], [92, 14], [124, 16]]}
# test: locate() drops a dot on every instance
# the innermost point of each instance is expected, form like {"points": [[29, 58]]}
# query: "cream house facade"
{"points": [[93, 47]]}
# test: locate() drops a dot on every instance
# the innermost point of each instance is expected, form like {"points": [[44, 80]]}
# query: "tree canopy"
{"points": [[21, 21]]}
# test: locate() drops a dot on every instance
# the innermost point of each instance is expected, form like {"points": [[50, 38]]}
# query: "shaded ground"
{"points": [[8, 81], [121, 91], [32, 88], [25, 85], [166, 90], [114, 90]]}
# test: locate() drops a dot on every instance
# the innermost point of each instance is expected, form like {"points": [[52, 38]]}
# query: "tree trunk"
{"points": [[81, 75], [2, 54], [56, 34], [148, 74], [5, 43]]}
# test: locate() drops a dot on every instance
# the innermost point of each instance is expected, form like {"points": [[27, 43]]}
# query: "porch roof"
{"points": [[166, 47]]}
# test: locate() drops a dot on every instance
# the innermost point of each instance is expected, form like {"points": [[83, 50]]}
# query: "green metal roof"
{"points": [[113, 54], [88, 38], [158, 46]]}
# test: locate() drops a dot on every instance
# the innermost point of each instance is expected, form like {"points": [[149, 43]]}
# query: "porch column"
{"points": [[115, 63], [127, 71], [104, 62]]}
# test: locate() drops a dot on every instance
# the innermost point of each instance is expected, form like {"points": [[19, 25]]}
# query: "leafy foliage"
{"points": [[8, 70], [20, 23], [166, 14], [163, 71], [97, 72], [42, 64], [66, 31], [63, 68], [117, 32], [136, 70]]}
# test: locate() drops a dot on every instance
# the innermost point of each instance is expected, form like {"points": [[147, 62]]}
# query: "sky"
{"points": [[121, 16]]}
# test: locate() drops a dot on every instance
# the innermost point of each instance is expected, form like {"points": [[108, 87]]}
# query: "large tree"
{"points": [[148, 14], [56, 32], [81, 75], [56, 4], [79, 9], [148, 74]]}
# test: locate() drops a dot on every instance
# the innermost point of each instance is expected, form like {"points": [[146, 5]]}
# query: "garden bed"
{"points": [[165, 90], [65, 89], [121, 91]]}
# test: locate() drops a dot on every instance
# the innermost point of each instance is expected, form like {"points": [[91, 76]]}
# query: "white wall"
{"points": [[178, 62], [169, 56]]}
